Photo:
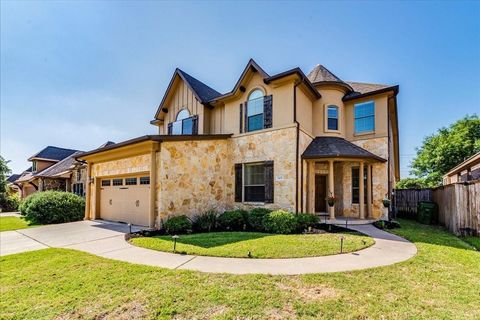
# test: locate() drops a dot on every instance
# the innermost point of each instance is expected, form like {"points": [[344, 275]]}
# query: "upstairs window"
{"points": [[34, 166], [332, 113], [364, 117], [255, 111], [184, 124]]}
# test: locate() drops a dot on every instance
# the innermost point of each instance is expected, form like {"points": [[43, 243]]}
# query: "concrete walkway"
{"points": [[107, 240]]}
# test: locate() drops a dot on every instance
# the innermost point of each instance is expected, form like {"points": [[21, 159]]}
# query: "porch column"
{"points": [[362, 192], [311, 186], [369, 191], [331, 210]]}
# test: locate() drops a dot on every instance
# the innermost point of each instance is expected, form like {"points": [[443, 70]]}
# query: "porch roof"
{"points": [[334, 147]]}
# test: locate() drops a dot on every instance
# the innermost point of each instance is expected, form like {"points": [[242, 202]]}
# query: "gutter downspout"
{"points": [[297, 142], [388, 159]]}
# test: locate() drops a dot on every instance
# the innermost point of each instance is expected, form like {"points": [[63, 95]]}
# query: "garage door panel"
{"points": [[125, 203]]}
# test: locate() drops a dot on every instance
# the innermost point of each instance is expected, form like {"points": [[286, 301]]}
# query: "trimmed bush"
{"points": [[256, 218], [233, 220], [280, 221], [24, 204], [306, 220], [53, 207], [205, 222], [177, 225]]}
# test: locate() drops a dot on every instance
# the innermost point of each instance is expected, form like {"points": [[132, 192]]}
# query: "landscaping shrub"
{"points": [[306, 220], [53, 207], [256, 218], [178, 225], [9, 202], [233, 220], [205, 222], [25, 203], [280, 221]]}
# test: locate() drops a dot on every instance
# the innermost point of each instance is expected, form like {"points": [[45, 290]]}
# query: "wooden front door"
{"points": [[320, 193]]}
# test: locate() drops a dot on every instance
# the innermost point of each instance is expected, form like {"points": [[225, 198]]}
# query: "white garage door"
{"points": [[125, 199]]}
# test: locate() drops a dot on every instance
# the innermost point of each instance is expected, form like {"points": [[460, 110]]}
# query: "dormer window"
{"points": [[332, 113], [255, 111], [184, 124], [34, 166]]}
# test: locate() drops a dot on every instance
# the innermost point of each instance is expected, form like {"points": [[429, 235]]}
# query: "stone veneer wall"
{"points": [[193, 177], [276, 145]]}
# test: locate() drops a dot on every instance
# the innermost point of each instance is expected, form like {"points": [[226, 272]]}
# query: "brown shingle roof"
{"points": [[321, 74], [361, 89], [60, 167], [334, 147]]}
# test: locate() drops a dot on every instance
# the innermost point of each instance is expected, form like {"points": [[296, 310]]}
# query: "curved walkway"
{"points": [[107, 240]]}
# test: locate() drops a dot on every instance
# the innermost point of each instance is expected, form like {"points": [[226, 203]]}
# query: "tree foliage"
{"points": [[411, 183], [442, 151], [4, 173]]}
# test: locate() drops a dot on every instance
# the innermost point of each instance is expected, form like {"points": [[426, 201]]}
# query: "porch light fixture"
{"points": [[175, 237]]}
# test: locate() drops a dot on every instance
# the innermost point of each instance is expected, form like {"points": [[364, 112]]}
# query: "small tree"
{"points": [[445, 149], [411, 183]]}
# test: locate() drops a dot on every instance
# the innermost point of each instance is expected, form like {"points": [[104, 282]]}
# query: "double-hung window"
{"points": [[364, 117], [254, 182], [255, 110], [332, 113]]}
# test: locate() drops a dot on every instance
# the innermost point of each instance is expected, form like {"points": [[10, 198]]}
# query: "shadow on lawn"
{"points": [[430, 234], [215, 239]]}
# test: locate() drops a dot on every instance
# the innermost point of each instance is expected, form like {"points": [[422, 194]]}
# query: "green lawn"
{"points": [[441, 282], [13, 223], [260, 245]]}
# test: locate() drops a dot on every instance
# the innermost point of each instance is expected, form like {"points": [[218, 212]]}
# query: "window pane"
{"points": [[255, 107], [255, 122], [130, 181], [105, 183], [144, 180], [254, 174], [332, 124], [177, 127], [183, 114], [255, 193], [365, 117], [255, 94], [333, 112], [117, 182], [187, 127]]}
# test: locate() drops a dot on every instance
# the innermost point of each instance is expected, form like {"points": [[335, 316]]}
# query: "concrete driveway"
{"points": [[75, 235]]}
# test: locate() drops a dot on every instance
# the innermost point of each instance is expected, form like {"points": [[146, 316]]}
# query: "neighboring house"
{"points": [[53, 168], [468, 170], [11, 186], [282, 141]]}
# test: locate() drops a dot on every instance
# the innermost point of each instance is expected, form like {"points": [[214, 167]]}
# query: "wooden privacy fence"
{"points": [[458, 205], [405, 201]]}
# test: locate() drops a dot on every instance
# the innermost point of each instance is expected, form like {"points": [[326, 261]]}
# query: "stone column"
{"points": [[311, 186], [362, 192], [331, 210], [369, 191]]}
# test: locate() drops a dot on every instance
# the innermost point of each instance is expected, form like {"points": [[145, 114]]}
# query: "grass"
{"points": [[441, 282], [474, 241], [13, 223], [260, 245]]}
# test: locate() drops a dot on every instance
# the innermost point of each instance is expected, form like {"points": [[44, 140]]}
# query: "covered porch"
{"points": [[354, 176]]}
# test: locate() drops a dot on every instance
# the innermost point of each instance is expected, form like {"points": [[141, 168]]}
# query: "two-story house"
{"points": [[282, 141]]}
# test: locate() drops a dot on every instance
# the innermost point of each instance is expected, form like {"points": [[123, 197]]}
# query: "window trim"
{"points": [[128, 181], [141, 182], [117, 185], [355, 132], [244, 185], [339, 116], [34, 166], [106, 185]]}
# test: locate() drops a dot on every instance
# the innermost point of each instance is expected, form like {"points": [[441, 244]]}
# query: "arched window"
{"points": [[183, 123], [255, 110], [332, 113]]}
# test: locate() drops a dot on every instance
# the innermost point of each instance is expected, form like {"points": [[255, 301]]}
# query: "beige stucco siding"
{"points": [[381, 119], [330, 96], [304, 111]]}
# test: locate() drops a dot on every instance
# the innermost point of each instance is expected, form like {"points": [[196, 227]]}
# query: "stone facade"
{"points": [[135, 164], [46, 184]]}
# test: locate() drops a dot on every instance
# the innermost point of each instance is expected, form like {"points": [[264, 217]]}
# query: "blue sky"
{"points": [[76, 74]]}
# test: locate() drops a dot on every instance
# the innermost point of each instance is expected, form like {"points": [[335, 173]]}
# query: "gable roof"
{"points": [[473, 160], [106, 144], [59, 167], [361, 89], [52, 153], [334, 147]]}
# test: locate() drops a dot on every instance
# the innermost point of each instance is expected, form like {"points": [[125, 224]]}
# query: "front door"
{"points": [[320, 193]]}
